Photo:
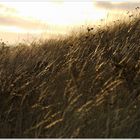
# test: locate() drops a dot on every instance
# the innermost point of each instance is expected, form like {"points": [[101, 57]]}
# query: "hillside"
{"points": [[84, 86]]}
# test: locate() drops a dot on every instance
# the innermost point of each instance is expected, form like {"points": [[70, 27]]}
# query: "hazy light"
{"points": [[63, 13], [57, 16]]}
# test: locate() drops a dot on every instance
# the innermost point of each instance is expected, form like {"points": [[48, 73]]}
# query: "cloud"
{"points": [[24, 23], [117, 5], [7, 10], [9, 17]]}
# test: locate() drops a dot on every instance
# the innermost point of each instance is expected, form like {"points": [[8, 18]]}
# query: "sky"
{"points": [[47, 18]]}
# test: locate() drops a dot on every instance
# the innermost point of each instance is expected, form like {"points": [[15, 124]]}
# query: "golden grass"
{"points": [[84, 86]]}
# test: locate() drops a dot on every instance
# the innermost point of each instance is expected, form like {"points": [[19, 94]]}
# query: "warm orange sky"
{"points": [[21, 19]]}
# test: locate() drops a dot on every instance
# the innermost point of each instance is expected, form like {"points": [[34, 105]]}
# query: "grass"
{"points": [[84, 86]]}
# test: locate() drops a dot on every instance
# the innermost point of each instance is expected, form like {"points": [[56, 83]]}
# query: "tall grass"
{"points": [[83, 86]]}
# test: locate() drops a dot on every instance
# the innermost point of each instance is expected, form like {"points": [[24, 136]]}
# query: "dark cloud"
{"points": [[20, 22], [118, 6]]}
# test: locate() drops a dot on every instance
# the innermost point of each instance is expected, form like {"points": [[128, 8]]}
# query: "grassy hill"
{"points": [[83, 86]]}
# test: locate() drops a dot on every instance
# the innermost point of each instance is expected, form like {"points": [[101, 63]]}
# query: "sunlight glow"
{"points": [[14, 29], [63, 13], [51, 18]]}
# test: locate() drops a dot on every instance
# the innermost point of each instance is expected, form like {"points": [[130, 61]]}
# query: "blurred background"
{"points": [[28, 20]]}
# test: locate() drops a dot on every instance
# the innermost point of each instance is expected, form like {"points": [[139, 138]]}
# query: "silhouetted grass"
{"points": [[84, 86]]}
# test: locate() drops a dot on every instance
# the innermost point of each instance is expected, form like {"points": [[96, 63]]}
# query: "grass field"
{"points": [[86, 85]]}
